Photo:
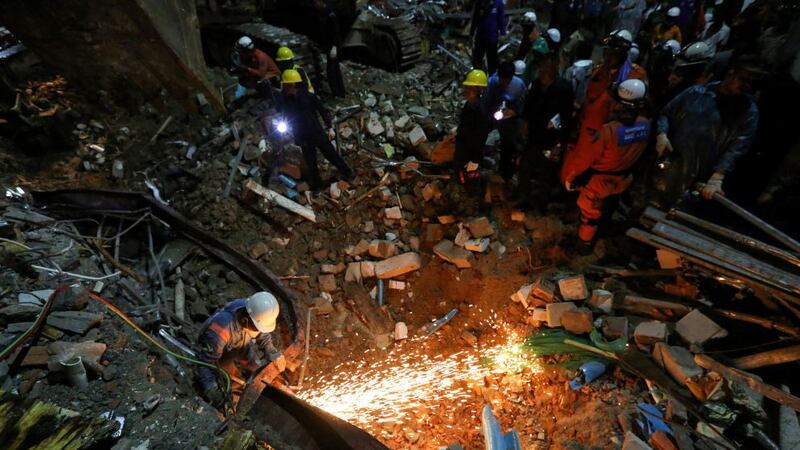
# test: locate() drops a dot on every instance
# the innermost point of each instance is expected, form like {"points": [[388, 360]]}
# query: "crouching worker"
{"points": [[226, 340], [602, 168]]}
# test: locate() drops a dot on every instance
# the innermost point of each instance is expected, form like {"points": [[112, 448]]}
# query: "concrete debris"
{"points": [[402, 121], [650, 332], [78, 322], [556, 310], [367, 269], [446, 220], [431, 191], [416, 136], [419, 111], [633, 442], [461, 237], [323, 305], [396, 285], [374, 125], [397, 265], [453, 254], [359, 249], [696, 328], [615, 327], [400, 331], [539, 314], [353, 273], [573, 288], [480, 227]]}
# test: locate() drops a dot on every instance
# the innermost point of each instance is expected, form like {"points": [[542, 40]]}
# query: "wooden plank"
{"points": [[36, 356], [283, 202], [768, 358], [750, 381]]}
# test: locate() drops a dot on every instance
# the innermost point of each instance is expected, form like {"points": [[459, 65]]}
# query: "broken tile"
{"points": [[397, 265], [453, 254]]}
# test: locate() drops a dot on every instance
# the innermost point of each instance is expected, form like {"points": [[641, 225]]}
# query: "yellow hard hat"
{"points": [[291, 76], [284, 54], [476, 78]]}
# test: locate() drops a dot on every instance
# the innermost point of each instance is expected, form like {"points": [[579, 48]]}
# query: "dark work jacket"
{"points": [[329, 33], [541, 105], [473, 127], [300, 112]]}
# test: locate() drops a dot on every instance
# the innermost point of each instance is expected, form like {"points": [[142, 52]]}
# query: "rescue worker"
{"points": [[299, 109], [529, 25], [579, 73], [226, 340], [691, 68], [602, 169], [549, 119], [660, 63], [487, 25], [255, 69], [630, 14], [505, 97], [285, 60], [704, 131], [598, 101], [669, 29], [331, 42], [473, 127], [539, 49]]}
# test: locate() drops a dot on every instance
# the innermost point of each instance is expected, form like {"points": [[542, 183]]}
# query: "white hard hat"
{"points": [[673, 45], [519, 67], [674, 12], [698, 51], [530, 18], [263, 309], [708, 17], [634, 52], [624, 34], [245, 43], [554, 34], [632, 90]]}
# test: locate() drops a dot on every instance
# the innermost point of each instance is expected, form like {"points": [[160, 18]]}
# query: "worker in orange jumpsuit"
{"points": [[603, 168]]}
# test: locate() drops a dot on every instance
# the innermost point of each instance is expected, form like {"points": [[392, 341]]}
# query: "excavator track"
{"points": [[392, 43]]}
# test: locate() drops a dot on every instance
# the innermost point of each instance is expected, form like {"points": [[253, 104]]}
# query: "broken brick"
{"points": [[602, 300], [258, 250], [396, 285], [480, 227], [579, 321], [332, 268], [367, 269], [462, 237], [393, 213], [544, 289], [327, 283], [398, 265], [661, 441], [615, 327], [668, 259], [446, 220], [521, 296], [469, 338], [359, 249], [573, 288], [517, 216], [400, 331], [453, 254], [382, 249], [477, 245], [650, 332], [556, 310], [353, 273]]}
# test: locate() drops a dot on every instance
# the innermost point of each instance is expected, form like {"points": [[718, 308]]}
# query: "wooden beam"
{"points": [[283, 202], [768, 358], [750, 381]]}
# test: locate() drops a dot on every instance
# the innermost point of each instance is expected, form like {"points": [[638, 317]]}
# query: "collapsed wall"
{"points": [[132, 50]]}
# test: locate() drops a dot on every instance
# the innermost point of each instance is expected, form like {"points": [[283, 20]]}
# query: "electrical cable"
{"points": [[34, 326], [155, 342]]}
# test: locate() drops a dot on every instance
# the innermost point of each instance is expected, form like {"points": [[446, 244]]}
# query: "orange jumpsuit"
{"points": [[608, 158], [596, 109], [258, 66]]}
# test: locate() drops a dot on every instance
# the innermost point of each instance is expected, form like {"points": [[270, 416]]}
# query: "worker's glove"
{"points": [[663, 144], [570, 187], [280, 362], [214, 396], [331, 134], [713, 186], [333, 52]]}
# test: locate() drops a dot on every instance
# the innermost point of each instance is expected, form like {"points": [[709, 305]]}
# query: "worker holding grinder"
{"points": [[229, 338]]}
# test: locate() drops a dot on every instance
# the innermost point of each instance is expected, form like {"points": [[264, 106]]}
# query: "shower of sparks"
{"points": [[407, 379]]}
